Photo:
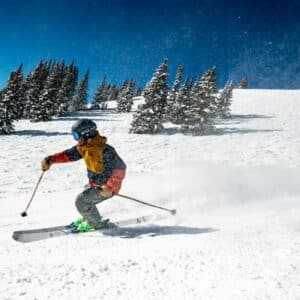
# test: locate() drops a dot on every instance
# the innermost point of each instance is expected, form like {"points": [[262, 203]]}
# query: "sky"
{"points": [[127, 38]]}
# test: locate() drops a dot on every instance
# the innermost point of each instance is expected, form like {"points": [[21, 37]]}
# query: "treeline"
{"points": [[52, 89], [123, 95], [194, 104]]}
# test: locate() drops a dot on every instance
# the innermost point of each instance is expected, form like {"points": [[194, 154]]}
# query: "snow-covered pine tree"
{"points": [[171, 113], [209, 89], [125, 98], [191, 82], [112, 93], [100, 98], [25, 94], [35, 87], [80, 98], [139, 92], [182, 103], [149, 116], [67, 90], [48, 97], [18, 91], [225, 100], [244, 83], [10, 103], [23, 97], [123, 86], [202, 109], [108, 91], [63, 101], [50, 65], [133, 84]]}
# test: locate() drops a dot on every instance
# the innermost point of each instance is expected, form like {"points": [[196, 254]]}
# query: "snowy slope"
{"points": [[236, 235]]}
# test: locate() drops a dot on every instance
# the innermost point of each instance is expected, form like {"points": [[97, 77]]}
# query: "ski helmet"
{"points": [[84, 128]]}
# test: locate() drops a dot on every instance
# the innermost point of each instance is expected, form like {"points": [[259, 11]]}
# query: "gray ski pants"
{"points": [[86, 205]]}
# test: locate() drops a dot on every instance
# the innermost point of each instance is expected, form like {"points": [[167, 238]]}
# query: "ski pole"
{"points": [[24, 213], [172, 211]]}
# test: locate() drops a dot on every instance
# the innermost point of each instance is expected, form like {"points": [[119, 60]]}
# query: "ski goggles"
{"points": [[76, 135]]}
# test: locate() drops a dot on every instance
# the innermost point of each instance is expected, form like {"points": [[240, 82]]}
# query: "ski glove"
{"points": [[46, 163], [105, 192]]}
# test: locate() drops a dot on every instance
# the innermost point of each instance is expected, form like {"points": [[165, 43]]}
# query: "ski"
{"points": [[31, 235]]}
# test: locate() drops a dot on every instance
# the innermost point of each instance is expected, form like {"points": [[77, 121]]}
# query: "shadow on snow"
{"points": [[155, 230], [39, 133], [228, 130], [230, 120], [95, 115], [238, 119], [248, 117]]}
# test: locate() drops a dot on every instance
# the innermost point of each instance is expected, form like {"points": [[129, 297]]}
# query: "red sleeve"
{"points": [[68, 155], [115, 181], [60, 157]]}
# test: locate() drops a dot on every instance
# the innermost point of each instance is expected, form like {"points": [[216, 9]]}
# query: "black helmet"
{"points": [[84, 127]]}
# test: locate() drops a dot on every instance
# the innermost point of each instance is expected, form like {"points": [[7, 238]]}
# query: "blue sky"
{"points": [[124, 39]]}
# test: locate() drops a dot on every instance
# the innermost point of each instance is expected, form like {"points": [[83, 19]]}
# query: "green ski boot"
{"points": [[84, 226], [80, 225], [77, 222]]}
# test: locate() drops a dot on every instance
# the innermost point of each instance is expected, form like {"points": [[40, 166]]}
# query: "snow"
{"points": [[236, 234]]}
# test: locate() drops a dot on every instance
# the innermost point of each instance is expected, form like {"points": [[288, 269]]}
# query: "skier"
{"points": [[105, 170]]}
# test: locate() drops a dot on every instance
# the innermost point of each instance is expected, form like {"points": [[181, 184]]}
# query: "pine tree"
{"points": [[17, 91], [139, 92], [171, 110], [48, 97], [100, 99], [125, 98], [66, 91], [203, 106], [244, 83], [9, 104], [23, 97], [182, 103], [210, 90], [26, 94], [150, 115], [225, 100], [112, 93], [81, 94], [37, 80], [107, 91], [124, 86], [132, 84]]}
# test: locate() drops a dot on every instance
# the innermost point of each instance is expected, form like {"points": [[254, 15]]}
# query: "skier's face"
{"points": [[83, 141]]}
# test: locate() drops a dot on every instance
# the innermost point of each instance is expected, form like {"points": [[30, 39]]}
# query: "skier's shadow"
{"points": [[154, 230]]}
